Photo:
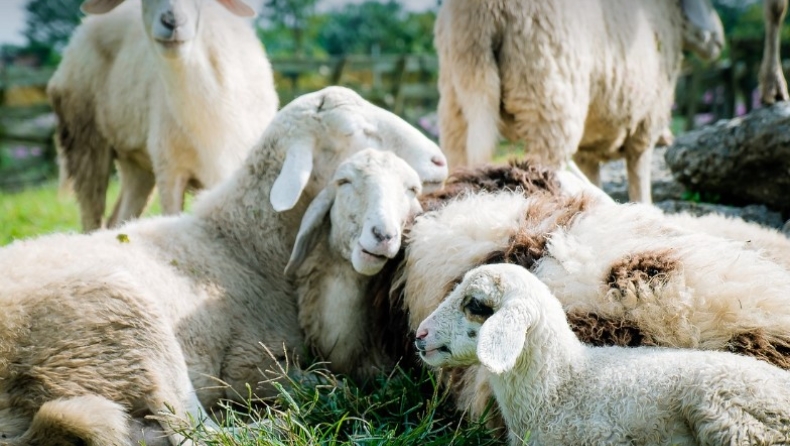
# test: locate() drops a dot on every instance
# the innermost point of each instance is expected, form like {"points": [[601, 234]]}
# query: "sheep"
{"points": [[624, 274], [214, 279], [560, 75], [175, 91], [773, 86], [347, 234], [552, 389]]}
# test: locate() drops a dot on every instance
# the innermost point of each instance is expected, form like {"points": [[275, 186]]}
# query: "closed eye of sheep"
{"points": [[505, 318]]}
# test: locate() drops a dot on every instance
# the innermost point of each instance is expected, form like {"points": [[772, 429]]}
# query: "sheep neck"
{"points": [[526, 392]]}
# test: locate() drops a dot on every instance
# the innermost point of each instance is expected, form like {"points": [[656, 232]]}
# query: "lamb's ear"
{"points": [[293, 177], [701, 14], [237, 7], [310, 228], [99, 6], [502, 336]]}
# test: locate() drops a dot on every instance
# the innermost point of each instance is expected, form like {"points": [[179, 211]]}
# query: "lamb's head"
{"points": [[372, 195], [325, 127], [485, 319], [703, 32], [172, 25]]}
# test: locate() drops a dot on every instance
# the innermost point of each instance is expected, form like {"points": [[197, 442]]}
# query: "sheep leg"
{"points": [[590, 167], [172, 187], [136, 187], [452, 126], [638, 150], [773, 86]]}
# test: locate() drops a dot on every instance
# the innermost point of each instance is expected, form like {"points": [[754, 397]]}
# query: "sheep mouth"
{"points": [[380, 257], [170, 44], [440, 349]]}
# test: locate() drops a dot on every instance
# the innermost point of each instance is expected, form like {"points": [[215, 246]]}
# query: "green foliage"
{"points": [[293, 16], [49, 23]]}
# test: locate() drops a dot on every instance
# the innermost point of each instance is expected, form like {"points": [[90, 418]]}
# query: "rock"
{"points": [[755, 213], [744, 160]]}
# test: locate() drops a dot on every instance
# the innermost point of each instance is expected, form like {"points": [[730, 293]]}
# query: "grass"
{"points": [[402, 409]]}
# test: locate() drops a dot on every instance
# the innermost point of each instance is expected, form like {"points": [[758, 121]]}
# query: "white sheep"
{"points": [[560, 75], [624, 274], [552, 389], [773, 86], [349, 231], [213, 279], [175, 91]]}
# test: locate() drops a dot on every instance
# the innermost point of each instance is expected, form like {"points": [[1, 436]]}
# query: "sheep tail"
{"points": [[90, 420]]}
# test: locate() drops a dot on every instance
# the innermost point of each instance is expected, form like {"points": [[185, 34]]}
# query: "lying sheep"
{"points": [[773, 86], [213, 280], [552, 389], [175, 91], [560, 75], [347, 234]]}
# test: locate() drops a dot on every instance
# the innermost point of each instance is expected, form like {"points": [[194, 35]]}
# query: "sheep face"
{"points": [[703, 33], [484, 320], [369, 200], [171, 24], [330, 125]]}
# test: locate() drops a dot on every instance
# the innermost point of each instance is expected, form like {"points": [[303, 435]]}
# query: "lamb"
{"points": [[175, 91], [348, 233], [214, 279], [624, 275], [773, 86], [552, 389], [561, 75]]}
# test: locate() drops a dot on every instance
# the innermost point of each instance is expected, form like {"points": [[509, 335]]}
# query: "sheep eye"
{"points": [[476, 308], [414, 190], [343, 181]]}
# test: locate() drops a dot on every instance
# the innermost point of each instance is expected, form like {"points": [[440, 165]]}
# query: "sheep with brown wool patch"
{"points": [[592, 80], [551, 389], [141, 315]]}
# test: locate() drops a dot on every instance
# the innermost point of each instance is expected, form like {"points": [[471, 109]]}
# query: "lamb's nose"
{"points": [[383, 235], [438, 161], [421, 334], [168, 19]]}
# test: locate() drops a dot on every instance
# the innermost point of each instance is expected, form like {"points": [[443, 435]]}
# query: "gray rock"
{"points": [[744, 160], [755, 213], [664, 186]]}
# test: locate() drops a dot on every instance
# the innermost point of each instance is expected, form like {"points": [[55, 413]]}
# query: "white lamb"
{"points": [[559, 75], [552, 389], [348, 233], [211, 284], [175, 91]]}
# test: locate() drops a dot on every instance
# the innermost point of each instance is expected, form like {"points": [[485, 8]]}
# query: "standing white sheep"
{"points": [[213, 280], [347, 234], [562, 75], [175, 91], [554, 390]]}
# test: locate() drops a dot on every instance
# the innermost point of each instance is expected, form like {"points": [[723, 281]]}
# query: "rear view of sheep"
{"points": [[561, 74], [175, 91], [554, 390], [348, 233]]}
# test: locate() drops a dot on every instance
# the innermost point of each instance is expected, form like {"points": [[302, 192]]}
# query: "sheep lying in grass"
{"points": [[175, 91], [561, 74], [198, 293], [554, 390], [348, 233]]}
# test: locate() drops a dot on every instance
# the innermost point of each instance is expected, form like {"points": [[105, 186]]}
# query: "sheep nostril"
{"points": [[421, 334], [438, 161], [382, 236]]}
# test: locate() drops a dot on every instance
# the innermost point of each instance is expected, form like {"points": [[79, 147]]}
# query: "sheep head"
{"points": [[372, 195], [325, 127], [485, 319], [171, 24], [703, 32]]}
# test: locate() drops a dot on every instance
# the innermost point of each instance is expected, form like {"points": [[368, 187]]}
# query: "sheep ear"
{"points": [[310, 228], [99, 6], [293, 177], [700, 13], [503, 335], [237, 7]]}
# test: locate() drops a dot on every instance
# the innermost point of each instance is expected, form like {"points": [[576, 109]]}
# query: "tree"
{"points": [[291, 15], [49, 23]]}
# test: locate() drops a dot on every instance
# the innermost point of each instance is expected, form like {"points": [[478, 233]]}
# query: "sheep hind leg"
{"points": [[136, 187], [773, 86], [638, 150], [452, 128], [589, 166]]}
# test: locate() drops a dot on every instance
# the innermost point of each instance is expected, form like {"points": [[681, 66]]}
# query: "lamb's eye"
{"points": [[477, 308], [343, 181], [414, 190]]}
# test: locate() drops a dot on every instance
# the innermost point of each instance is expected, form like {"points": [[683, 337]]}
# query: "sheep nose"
{"points": [[383, 235], [422, 334], [438, 161], [168, 19]]}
